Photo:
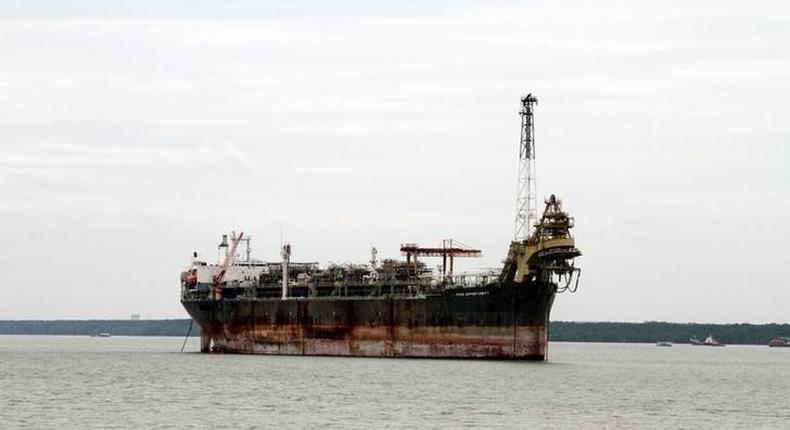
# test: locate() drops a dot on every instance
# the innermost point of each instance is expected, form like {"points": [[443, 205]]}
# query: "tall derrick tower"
{"points": [[544, 249], [526, 210]]}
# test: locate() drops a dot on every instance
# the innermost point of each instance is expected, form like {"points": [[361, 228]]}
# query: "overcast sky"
{"points": [[133, 133]]}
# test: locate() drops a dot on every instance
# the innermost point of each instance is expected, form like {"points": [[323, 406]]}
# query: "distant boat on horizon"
{"points": [[104, 335], [780, 342], [663, 343], [709, 341]]}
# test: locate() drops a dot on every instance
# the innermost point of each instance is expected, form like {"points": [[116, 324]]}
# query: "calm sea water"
{"points": [[143, 382]]}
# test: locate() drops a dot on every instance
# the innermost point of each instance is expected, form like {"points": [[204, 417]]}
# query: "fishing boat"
{"points": [[780, 342]]}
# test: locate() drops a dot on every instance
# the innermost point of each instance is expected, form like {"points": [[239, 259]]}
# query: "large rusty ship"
{"points": [[393, 307]]}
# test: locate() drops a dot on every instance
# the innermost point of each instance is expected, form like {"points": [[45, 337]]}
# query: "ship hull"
{"points": [[508, 321]]}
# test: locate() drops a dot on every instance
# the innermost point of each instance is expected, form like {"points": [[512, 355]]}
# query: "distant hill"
{"points": [[560, 331]]}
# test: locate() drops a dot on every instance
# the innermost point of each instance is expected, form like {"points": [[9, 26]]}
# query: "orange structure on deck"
{"points": [[448, 250]]}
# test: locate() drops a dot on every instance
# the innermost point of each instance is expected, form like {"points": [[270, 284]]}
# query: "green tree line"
{"points": [[170, 327], [652, 331]]}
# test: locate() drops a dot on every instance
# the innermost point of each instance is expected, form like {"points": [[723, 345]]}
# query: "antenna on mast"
{"points": [[526, 205]]}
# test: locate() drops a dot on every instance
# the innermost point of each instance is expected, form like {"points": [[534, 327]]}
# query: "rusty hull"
{"points": [[495, 321]]}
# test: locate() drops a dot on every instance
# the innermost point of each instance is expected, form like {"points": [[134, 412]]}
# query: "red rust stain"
{"points": [[527, 343]]}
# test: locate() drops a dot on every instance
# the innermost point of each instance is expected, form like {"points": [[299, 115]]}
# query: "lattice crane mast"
{"points": [[526, 205], [223, 268]]}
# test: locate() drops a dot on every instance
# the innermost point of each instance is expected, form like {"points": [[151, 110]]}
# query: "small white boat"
{"points": [[104, 335], [709, 341]]}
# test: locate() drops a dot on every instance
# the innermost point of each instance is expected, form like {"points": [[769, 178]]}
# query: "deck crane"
{"points": [[223, 268], [448, 250]]}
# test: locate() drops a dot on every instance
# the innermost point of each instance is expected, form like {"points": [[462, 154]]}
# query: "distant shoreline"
{"points": [[559, 331], [159, 327]]}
